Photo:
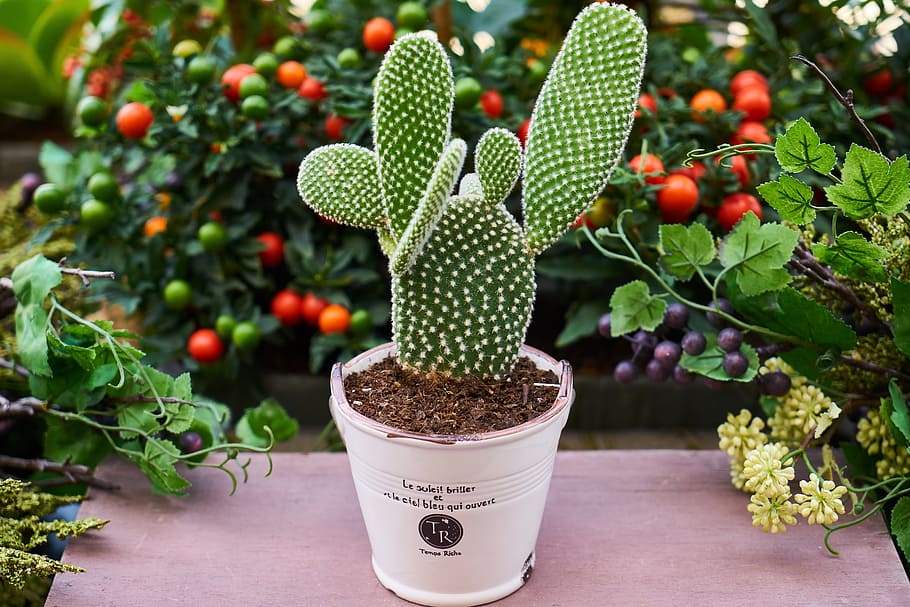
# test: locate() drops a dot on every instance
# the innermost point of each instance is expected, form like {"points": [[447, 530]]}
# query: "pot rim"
{"points": [[564, 397]]}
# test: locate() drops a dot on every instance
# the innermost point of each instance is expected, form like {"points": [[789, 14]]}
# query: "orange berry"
{"points": [[290, 74], [707, 100], [154, 225], [378, 34], [335, 318]]}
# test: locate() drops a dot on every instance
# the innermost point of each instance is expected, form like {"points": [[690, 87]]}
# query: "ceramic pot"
{"points": [[452, 520]]}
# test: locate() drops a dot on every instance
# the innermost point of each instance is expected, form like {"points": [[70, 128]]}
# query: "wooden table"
{"points": [[621, 528]]}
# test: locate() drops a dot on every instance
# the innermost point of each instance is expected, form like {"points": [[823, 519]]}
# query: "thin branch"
{"points": [[85, 275], [70, 473], [845, 100], [23, 407], [15, 368], [805, 262], [873, 367]]}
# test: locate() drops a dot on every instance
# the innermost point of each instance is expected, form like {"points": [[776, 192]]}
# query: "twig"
{"points": [[845, 100], [873, 367], [811, 267], [8, 364], [85, 275], [23, 407], [70, 473]]}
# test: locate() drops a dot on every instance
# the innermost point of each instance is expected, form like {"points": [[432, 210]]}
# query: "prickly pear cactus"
{"points": [[462, 268]]}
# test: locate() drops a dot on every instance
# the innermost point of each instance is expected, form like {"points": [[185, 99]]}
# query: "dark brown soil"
{"points": [[407, 400]]}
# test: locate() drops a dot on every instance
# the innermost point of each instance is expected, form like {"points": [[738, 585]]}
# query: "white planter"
{"points": [[452, 520]]}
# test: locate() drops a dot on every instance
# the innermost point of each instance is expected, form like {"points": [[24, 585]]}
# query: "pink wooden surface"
{"points": [[621, 528]]}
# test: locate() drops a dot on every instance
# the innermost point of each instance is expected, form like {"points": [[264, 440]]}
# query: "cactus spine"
{"points": [[462, 267]]}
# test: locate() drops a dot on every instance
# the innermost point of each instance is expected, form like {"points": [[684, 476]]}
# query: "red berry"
{"points": [[491, 103], [286, 307], [677, 199], [755, 102], [751, 131], [134, 119], [205, 346], [378, 34], [273, 253], [746, 79], [312, 89], [522, 131], [334, 127], [647, 102], [232, 77], [311, 307], [733, 208], [651, 166]]}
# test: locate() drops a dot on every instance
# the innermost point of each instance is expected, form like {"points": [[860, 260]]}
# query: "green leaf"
{"points": [[32, 282], [157, 463], [854, 256], [582, 321], [251, 425], [139, 416], [183, 387], [102, 375], [80, 443], [496, 19], [900, 525], [791, 198], [686, 248], [900, 300], [710, 363], [900, 416], [56, 163], [84, 357], [858, 459], [179, 417], [634, 307], [814, 323], [758, 254], [800, 148], [871, 184]]}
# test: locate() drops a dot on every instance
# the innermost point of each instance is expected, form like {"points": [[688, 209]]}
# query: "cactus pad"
{"points": [[498, 161], [453, 313], [582, 119], [412, 113]]}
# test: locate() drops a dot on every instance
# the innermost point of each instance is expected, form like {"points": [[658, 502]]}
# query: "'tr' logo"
{"points": [[440, 531]]}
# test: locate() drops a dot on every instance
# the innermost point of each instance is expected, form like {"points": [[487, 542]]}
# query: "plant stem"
{"points": [[71, 473], [85, 275], [15, 368], [845, 100], [23, 407]]}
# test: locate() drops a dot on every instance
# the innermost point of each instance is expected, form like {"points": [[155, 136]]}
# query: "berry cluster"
{"points": [[659, 352]]}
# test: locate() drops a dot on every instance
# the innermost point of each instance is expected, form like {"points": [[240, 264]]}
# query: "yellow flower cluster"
{"points": [[875, 437], [761, 468], [804, 409]]}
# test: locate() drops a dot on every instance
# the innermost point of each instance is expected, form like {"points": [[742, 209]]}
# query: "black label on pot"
{"points": [[440, 530]]}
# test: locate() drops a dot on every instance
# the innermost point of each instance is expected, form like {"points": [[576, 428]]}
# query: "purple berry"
{"points": [[667, 353], [694, 343], [681, 375], [604, 325], [655, 371], [625, 372], [30, 182], [723, 305], [776, 383], [189, 442], [676, 315], [735, 363], [643, 343], [729, 339]]}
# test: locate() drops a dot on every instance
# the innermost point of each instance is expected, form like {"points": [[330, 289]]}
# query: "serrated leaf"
{"points": [[633, 307], [871, 184], [268, 413], [138, 416], [686, 248], [854, 256], [710, 363], [900, 525], [102, 375], [84, 357], [900, 300], [791, 198], [157, 463], [32, 282], [813, 322], [800, 148], [183, 387], [78, 443], [758, 254], [179, 417]]}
